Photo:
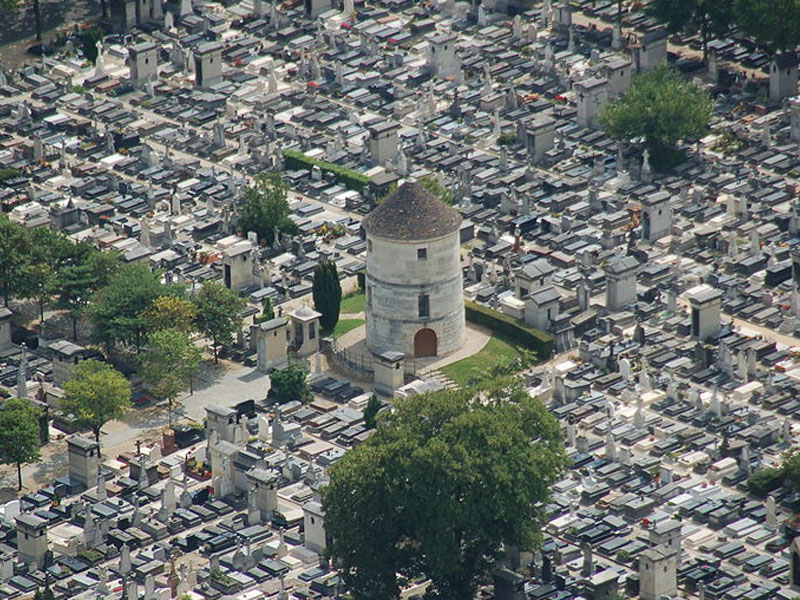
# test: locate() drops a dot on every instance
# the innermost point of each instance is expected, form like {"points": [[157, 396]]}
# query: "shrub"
{"points": [[8, 174], [347, 177], [764, 481], [527, 337]]}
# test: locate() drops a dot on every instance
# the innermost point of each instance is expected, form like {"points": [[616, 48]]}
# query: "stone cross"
{"points": [[99, 63]]}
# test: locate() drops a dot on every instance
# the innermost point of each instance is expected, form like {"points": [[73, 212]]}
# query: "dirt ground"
{"points": [[16, 32]]}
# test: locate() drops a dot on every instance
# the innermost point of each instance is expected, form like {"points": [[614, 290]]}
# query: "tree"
{"points": [[775, 24], [90, 39], [327, 294], [430, 183], [170, 312], [218, 316], [289, 384], [467, 471], [266, 208], [267, 312], [764, 481], [96, 394], [116, 311], [14, 252], [791, 468], [49, 252], [371, 411], [663, 108], [168, 363], [711, 18], [87, 271], [19, 434]]}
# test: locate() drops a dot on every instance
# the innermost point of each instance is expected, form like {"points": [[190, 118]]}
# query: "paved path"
{"points": [[225, 384]]}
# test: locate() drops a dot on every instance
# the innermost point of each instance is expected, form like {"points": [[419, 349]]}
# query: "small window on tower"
{"points": [[369, 245], [422, 254], [424, 306]]}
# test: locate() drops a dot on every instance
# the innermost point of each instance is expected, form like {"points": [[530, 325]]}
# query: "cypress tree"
{"points": [[327, 293]]}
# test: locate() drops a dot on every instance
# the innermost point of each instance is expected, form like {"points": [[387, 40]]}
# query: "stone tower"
{"points": [[657, 574], [415, 301]]}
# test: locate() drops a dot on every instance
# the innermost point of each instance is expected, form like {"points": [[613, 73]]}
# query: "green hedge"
{"points": [[527, 337], [352, 179], [8, 174], [764, 481]]}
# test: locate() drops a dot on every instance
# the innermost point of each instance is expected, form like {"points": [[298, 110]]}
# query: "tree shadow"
{"points": [[253, 375], [207, 375], [49, 470]]}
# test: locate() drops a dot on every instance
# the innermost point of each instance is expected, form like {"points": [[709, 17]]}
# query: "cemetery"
{"points": [[169, 205]]}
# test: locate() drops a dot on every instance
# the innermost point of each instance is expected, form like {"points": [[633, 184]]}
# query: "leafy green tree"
{"points": [[289, 384], [170, 312], [90, 39], [14, 252], [41, 279], [19, 434], [84, 274], [116, 310], [711, 18], [467, 471], [267, 311], [168, 363], [764, 481], [430, 183], [96, 394], [48, 253], [218, 316], [660, 106], [775, 24], [266, 208], [327, 293], [371, 411]]}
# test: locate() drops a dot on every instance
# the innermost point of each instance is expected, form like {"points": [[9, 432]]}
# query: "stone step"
{"points": [[437, 375]]}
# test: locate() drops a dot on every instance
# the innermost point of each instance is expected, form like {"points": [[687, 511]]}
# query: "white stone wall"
{"points": [[395, 279]]}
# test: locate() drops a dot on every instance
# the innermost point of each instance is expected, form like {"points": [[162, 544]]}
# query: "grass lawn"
{"points": [[352, 303], [498, 350], [345, 325]]}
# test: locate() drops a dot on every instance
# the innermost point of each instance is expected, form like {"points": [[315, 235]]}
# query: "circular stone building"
{"points": [[415, 299]]}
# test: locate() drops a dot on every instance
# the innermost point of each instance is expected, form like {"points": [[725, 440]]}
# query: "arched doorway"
{"points": [[425, 343]]}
